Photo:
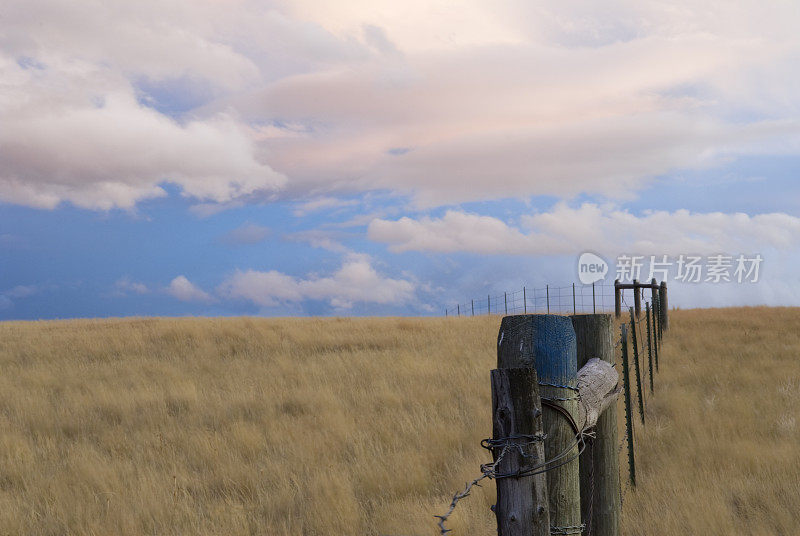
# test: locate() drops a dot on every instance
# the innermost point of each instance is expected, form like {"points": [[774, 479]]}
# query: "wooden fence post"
{"points": [[473, 307], [664, 306], [522, 504], [655, 338], [599, 464], [505, 300], [547, 290], [653, 291], [617, 300], [574, 311], [628, 409], [657, 326], [649, 346], [547, 342], [488, 304], [636, 364], [594, 306], [524, 301], [458, 309], [637, 298]]}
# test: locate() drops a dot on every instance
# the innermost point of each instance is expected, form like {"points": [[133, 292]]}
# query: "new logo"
{"points": [[591, 268]]}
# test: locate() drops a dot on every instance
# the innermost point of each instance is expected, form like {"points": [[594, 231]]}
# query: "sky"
{"points": [[319, 157]]}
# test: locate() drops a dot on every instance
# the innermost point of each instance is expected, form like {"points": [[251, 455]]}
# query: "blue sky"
{"points": [[330, 158]]}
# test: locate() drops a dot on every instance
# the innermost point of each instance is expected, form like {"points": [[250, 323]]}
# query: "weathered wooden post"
{"points": [[655, 337], [628, 409], [574, 311], [547, 342], [649, 346], [488, 304], [547, 290], [658, 327], [458, 309], [599, 465], [505, 300], [524, 301], [637, 298], [617, 300], [594, 307], [664, 307], [473, 307], [636, 364], [518, 436], [653, 291]]}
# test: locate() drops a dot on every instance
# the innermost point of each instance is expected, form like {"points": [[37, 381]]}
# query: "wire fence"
{"points": [[636, 358], [568, 299], [636, 350]]}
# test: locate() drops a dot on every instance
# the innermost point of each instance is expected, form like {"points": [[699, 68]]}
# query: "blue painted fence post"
{"points": [[547, 343]]}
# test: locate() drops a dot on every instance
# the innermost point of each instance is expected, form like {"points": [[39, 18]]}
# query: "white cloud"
{"points": [[125, 285], [246, 234], [587, 102], [356, 281], [567, 230], [184, 290], [98, 148], [314, 97], [77, 129]]}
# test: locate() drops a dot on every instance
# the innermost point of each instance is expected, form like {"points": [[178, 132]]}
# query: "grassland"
{"points": [[362, 426]]}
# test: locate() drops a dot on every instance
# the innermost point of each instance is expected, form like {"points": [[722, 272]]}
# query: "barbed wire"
{"points": [[490, 470]]}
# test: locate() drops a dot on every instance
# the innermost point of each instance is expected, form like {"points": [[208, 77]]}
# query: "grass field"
{"points": [[362, 426]]}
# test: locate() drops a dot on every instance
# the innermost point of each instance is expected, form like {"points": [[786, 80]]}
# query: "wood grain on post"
{"points": [[637, 298], [522, 505], [594, 339], [547, 342], [617, 299], [664, 307]]}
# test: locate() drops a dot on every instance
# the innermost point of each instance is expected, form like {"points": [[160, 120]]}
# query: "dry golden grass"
{"points": [[361, 426]]}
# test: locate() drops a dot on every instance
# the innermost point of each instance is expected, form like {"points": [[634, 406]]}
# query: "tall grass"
{"points": [[361, 426]]}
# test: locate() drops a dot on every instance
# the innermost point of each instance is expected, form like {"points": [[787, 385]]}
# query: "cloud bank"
{"points": [[590, 227], [356, 281], [241, 101]]}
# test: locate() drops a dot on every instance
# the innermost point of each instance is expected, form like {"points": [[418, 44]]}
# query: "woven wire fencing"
{"points": [[567, 299]]}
